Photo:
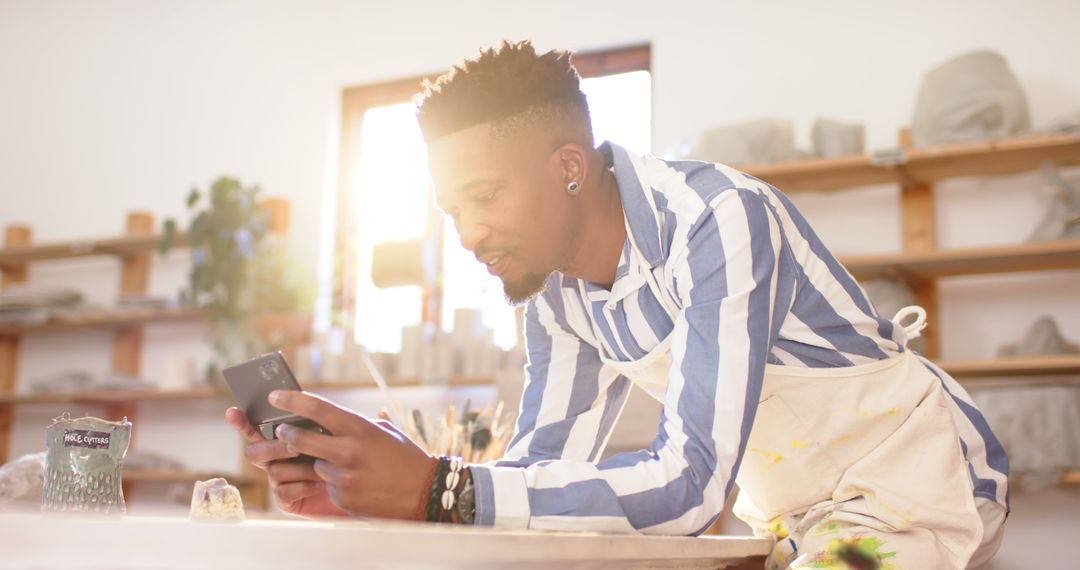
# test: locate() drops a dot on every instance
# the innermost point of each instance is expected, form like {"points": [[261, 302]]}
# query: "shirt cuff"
{"points": [[502, 497]]}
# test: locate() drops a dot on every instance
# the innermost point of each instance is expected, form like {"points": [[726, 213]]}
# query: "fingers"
{"points": [[327, 471], [299, 490], [338, 420], [281, 472], [261, 453], [236, 417], [335, 449]]}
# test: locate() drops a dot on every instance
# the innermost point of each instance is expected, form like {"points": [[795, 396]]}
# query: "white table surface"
{"points": [[37, 541]]}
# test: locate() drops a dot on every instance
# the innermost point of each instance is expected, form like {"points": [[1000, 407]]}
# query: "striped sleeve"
{"points": [[558, 419], [725, 280]]}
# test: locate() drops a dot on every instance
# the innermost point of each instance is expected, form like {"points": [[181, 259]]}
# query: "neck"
{"points": [[598, 242]]}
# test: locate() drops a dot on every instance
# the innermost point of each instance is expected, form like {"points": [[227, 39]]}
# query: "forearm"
{"points": [[643, 492]]}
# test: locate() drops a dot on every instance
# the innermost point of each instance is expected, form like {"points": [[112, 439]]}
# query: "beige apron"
{"points": [[842, 462]]}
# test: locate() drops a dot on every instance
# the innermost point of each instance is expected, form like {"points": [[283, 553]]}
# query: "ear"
{"points": [[573, 163]]}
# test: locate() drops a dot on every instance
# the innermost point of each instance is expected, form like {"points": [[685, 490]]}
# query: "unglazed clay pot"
{"points": [[974, 96], [83, 463]]}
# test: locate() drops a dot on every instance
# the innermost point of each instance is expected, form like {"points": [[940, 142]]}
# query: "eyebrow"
{"points": [[466, 187], [463, 188]]}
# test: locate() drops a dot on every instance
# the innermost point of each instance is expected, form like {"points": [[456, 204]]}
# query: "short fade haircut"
{"points": [[501, 86]]}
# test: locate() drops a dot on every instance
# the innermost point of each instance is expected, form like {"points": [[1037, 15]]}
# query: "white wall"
{"points": [[112, 106]]}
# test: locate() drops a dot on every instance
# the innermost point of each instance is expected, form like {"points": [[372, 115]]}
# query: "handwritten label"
{"points": [[86, 438]]}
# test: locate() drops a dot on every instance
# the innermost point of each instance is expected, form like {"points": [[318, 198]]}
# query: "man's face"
{"points": [[507, 199]]}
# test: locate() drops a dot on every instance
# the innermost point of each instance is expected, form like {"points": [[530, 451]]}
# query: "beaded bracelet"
{"points": [[434, 514], [453, 477], [445, 500]]}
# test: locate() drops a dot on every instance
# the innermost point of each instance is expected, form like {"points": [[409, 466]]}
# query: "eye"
{"points": [[487, 197]]}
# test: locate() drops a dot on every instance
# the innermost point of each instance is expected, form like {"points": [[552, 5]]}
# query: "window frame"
{"points": [[355, 102]]}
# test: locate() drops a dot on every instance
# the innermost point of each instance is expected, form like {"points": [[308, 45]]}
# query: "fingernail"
{"points": [[275, 397], [281, 431]]}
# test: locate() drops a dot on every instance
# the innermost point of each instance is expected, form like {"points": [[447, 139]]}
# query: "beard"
{"points": [[523, 289]]}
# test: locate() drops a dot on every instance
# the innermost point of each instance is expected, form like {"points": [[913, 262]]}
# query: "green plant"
{"points": [[280, 284], [225, 235]]}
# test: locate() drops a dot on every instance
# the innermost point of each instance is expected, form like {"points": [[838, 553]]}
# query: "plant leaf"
{"points": [[169, 236], [197, 231]]}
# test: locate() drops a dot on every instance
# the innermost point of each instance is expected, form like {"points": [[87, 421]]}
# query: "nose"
{"points": [[471, 231]]}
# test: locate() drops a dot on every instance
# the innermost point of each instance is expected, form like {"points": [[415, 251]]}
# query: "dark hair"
{"points": [[497, 85]]}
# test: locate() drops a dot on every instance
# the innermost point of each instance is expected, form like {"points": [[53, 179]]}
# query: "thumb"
{"points": [[239, 421]]}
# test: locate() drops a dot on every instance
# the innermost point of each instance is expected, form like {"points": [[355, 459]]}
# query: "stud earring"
{"points": [[573, 188]]}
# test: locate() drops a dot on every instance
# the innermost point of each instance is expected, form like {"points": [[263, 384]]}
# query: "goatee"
{"points": [[524, 289]]}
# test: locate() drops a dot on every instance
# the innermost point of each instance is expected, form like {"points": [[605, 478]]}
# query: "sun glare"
{"points": [[395, 197]]}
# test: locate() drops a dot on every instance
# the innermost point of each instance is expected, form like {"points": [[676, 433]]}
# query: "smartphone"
{"points": [[251, 383]]}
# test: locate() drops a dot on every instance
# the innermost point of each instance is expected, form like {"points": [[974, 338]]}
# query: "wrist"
{"points": [[451, 498], [420, 514]]}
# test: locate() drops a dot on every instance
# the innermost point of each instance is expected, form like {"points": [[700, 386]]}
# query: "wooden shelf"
{"points": [[1014, 366], [1071, 477], [986, 158], [398, 383], [104, 319], [105, 397], [125, 246], [168, 476], [821, 174], [1039, 256]]}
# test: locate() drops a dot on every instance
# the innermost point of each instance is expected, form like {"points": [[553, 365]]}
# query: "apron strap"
{"points": [[915, 328]]}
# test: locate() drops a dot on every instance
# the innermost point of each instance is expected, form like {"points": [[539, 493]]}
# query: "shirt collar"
{"points": [[640, 211], [638, 203]]}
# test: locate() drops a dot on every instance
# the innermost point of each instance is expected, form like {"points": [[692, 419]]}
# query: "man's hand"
{"points": [[370, 468], [296, 487]]}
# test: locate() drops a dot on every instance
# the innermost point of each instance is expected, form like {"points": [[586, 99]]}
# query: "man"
{"points": [[708, 289]]}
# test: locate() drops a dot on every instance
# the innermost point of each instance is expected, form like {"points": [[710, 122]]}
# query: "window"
{"points": [[385, 196]]}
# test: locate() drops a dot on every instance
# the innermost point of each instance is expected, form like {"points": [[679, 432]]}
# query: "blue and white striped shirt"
{"points": [[753, 284]]}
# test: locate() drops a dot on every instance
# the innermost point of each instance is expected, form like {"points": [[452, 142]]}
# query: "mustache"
{"points": [[485, 250]]}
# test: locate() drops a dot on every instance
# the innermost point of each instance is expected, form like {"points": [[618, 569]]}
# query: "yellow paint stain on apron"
{"points": [[772, 457], [888, 412], [777, 528], [831, 528], [839, 440], [903, 515]]}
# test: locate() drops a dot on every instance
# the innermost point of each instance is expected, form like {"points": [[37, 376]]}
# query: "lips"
{"points": [[496, 262]]}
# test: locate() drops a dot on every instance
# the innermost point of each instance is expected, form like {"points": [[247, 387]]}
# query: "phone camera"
{"points": [[269, 370]]}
